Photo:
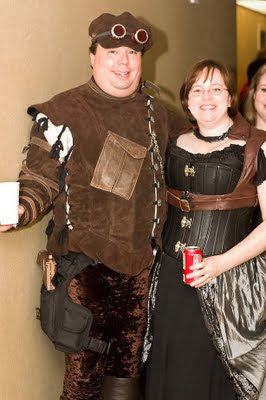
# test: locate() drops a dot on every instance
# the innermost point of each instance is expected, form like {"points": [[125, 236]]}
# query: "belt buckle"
{"points": [[184, 205]]}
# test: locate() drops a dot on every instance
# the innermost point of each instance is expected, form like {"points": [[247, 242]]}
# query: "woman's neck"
{"points": [[215, 130], [260, 123]]}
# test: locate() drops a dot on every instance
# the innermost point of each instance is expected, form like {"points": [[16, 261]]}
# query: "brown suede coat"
{"points": [[109, 175]]}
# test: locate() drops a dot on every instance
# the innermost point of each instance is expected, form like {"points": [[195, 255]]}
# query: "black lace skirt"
{"points": [[183, 364]]}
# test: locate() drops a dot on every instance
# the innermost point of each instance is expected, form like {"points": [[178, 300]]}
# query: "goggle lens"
{"points": [[118, 31], [141, 36]]}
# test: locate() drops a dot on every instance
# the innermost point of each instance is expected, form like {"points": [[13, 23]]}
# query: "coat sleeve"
{"points": [[38, 176]]}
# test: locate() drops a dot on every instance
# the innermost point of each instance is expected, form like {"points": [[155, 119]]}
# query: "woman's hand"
{"points": [[207, 270], [4, 228]]}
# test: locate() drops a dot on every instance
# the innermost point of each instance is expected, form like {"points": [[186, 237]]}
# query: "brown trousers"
{"points": [[119, 306]]}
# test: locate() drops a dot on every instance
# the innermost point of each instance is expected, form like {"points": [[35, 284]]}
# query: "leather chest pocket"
{"points": [[118, 167]]}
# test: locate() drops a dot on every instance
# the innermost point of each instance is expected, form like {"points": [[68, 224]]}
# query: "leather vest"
{"points": [[111, 179]]}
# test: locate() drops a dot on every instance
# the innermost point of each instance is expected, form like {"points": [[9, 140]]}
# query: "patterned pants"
{"points": [[119, 304]]}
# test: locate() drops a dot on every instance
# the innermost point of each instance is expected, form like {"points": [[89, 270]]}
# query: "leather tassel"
{"points": [[62, 235], [56, 148], [61, 174], [34, 115], [50, 227]]}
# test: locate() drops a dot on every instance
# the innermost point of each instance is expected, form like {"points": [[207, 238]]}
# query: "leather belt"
{"points": [[187, 201], [173, 197]]}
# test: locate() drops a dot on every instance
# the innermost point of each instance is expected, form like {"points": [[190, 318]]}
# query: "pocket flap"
{"points": [[134, 149]]}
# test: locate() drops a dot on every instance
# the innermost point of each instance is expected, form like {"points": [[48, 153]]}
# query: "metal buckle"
{"points": [[107, 348], [98, 345], [184, 205]]}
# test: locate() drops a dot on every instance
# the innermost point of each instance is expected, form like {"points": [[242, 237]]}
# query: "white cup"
{"points": [[9, 202]]}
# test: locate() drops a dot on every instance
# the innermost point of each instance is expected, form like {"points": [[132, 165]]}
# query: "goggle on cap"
{"points": [[112, 31]]}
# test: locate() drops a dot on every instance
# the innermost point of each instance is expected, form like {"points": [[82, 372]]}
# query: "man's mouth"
{"points": [[120, 73]]}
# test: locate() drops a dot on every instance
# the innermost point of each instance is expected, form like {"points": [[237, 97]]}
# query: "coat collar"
{"points": [[240, 130], [95, 88]]}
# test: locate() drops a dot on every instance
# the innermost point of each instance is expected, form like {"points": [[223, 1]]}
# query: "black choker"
{"points": [[210, 139]]}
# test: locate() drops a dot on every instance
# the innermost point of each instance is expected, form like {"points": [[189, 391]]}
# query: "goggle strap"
{"points": [[108, 33]]}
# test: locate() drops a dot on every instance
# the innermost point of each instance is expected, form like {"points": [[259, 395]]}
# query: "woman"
{"points": [[255, 112], [209, 336], [255, 106]]}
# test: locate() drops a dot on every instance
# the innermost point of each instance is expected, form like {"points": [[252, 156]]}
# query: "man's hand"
{"points": [[4, 228]]}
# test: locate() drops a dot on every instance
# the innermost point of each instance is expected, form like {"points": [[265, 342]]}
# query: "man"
{"points": [[96, 156]]}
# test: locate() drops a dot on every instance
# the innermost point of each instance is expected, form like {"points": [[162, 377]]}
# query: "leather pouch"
{"points": [[118, 166], [68, 324], [65, 323]]}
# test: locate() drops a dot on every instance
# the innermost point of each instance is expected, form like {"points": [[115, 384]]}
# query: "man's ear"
{"points": [[92, 57]]}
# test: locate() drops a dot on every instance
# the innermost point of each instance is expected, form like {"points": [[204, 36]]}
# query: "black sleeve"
{"points": [[261, 174]]}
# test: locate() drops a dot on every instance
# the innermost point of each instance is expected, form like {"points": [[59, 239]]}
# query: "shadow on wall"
{"points": [[160, 46]]}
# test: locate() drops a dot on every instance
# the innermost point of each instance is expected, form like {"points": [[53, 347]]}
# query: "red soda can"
{"points": [[191, 255]]}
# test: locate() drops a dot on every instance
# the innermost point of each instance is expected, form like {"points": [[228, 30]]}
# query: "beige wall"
{"points": [[249, 24], [43, 47]]}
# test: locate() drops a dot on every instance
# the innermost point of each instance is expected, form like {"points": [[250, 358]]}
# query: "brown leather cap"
{"points": [[100, 31]]}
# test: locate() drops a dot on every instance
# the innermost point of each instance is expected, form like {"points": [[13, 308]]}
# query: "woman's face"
{"points": [[208, 99], [260, 98]]}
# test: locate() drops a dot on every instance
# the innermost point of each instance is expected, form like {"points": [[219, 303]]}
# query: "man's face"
{"points": [[117, 71]]}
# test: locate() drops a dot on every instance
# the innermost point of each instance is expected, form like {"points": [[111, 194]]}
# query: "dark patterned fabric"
{"points": [[118, 304]]}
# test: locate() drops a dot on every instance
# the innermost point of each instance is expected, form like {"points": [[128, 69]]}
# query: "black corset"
{"points": [[214, 173]]}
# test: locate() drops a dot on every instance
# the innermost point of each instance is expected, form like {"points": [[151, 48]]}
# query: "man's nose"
{"points": [[123, 58]]}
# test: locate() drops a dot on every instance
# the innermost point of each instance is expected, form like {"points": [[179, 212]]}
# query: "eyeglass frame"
{"points": [[133, 35], [210, 91]]}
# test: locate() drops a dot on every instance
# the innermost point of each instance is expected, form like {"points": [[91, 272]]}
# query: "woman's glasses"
{"points": [[214, 90]]}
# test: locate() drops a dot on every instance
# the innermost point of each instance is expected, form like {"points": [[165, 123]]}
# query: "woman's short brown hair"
{"points": [[210, 66], [250, 112]]}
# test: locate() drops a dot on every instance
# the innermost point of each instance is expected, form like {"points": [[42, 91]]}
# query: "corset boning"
{"points": [[214, 173]]}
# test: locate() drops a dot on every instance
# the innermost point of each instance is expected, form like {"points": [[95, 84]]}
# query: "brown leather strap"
{"points": [[186, 201], [173, 197]]}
